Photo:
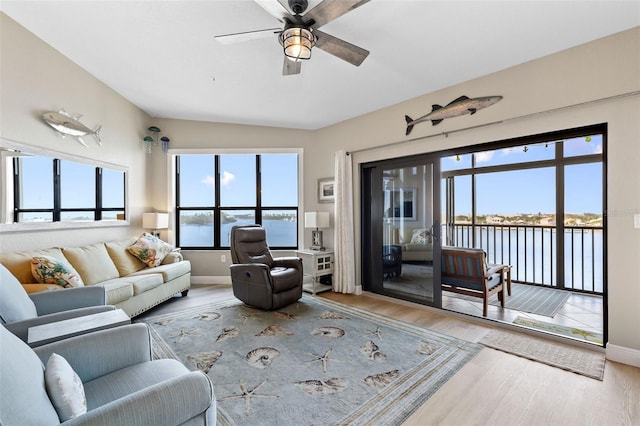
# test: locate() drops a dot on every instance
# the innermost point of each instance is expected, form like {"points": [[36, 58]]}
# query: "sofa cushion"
{"points": [[137, 377], [64, 388], [92, 263], [19, 264], [49, 270], [417, 247], [117, 290], [122, 258], [169, 272], [142, 283], [150, 250]]}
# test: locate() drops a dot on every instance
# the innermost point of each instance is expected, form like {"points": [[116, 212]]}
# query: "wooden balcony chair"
{"points": [[465, 271]]}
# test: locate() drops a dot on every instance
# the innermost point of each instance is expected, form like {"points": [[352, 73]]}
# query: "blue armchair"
{"points": [[120, 381], [19, 310]]}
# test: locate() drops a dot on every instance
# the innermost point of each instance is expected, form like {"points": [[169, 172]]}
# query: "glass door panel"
{"points": [[401, 230]]}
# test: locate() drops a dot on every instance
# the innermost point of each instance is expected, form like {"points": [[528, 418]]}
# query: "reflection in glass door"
{"points": [[401, 230]]}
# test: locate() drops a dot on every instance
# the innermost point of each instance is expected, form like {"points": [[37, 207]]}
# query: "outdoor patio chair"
{"points": [[465, 271]]}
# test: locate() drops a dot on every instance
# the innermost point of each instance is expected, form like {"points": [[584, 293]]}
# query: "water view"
{"points": [[281, 232], [532, 250]]}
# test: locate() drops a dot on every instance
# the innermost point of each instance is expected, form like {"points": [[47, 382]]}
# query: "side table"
{"points": [[54, 331], [316, 263]]}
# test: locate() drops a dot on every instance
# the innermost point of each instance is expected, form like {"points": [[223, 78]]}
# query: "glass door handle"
{"points": [[435, 232]]}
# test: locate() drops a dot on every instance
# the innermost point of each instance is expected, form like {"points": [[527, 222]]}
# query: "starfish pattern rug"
{"points": [[314, 362]]}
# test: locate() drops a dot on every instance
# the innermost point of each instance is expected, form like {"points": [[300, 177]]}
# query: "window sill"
{"points": [[9, 228]]}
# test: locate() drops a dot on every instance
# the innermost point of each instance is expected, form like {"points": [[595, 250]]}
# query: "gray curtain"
{"points": [[344, 277]]}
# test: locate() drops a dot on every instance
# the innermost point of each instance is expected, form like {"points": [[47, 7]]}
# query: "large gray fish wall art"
{"points": [[68, 125], [461, 106]]}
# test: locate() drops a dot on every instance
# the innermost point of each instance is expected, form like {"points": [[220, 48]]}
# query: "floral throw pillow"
{"points": [[150, 250], [421, 236], [49, 270]]}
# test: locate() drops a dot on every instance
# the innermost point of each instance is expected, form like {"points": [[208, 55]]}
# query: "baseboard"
{"points": [[623, 355], [212, 279]]}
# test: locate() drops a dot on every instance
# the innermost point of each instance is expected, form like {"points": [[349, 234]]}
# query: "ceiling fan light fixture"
{"points": [[297, 43]]}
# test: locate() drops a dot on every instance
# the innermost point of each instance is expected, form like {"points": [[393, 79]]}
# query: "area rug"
{"points": [[576, 333], [581, 361], [528, 298], [313, 362]]}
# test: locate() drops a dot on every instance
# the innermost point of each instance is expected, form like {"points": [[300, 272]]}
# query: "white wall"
{"points": [[36, 78], [561, 91], [194, 135]]}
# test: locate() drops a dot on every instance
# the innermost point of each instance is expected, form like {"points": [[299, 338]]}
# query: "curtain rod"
{"points": [[464, 129]]}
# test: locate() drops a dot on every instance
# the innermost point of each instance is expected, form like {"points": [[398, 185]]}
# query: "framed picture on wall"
{"points": [[400, 203], [326, 192]]}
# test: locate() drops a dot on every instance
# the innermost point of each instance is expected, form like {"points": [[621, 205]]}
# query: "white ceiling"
{"points": [[162, 55]]}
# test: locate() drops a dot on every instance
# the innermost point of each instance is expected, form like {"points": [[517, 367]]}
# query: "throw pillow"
{"points": [[64, 388], [421, 236], [150, 250], [49, 270]]}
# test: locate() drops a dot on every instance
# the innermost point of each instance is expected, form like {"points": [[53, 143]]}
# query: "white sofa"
{"points": [[416, 243], [130, 285]]}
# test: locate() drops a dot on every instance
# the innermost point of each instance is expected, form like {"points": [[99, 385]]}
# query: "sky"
{"points": [[530, 191], [237, 184]]}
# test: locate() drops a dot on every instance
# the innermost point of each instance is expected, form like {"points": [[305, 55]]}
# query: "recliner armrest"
{"points": [[288, 262], [95, 354], [69, 298], [171, 402], [246, 272]]}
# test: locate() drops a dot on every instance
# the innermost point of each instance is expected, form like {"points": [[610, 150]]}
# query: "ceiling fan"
{"points": [[300, 33]]}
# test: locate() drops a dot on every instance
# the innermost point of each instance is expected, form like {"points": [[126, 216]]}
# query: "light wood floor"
{"points": [[494, 388]]}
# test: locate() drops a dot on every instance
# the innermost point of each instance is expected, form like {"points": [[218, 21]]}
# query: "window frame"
{"points": [[8, 150], [172, 159], [559, 162]]}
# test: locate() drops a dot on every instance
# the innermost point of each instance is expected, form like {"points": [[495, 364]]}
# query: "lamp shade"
{"points": [[155, 220], [316, 220]]}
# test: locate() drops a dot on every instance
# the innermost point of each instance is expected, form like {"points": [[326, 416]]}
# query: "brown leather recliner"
{"points": [[257, 278]]}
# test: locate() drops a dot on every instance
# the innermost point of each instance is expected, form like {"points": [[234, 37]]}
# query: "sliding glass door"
{"points": [[401, 229]]}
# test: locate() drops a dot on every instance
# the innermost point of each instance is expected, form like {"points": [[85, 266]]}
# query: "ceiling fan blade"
{"points": [[246, 36], [290, 67], [328, 10], [275, 9], [340, 48]]}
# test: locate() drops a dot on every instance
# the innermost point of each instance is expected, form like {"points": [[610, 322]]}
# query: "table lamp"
{"points": [[155, 221], [316, 220]]}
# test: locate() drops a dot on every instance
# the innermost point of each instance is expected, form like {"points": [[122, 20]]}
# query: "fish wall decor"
{"points": [[65, 124], [461, 106]]}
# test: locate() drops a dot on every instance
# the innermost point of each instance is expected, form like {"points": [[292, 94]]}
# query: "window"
{"points": [[214, 192], [536, 203], [46, 189]]}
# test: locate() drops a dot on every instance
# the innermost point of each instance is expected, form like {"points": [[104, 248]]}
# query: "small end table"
{"points": [[316, 263], [54, 331]]}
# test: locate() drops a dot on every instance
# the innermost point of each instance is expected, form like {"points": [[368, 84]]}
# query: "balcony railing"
{"points": [[532, 252]]}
